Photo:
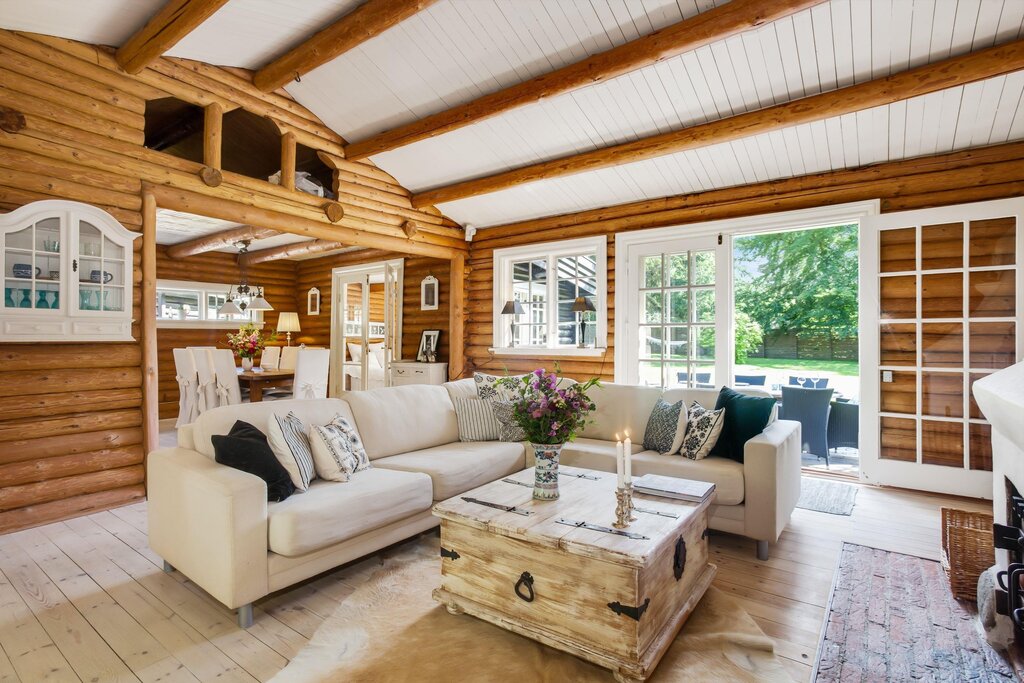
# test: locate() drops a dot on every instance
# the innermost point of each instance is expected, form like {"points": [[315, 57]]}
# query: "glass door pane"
{"points": [[32, 266], [354, 329], [677, 318]]}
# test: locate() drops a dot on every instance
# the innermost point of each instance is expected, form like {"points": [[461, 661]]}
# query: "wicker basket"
{"points": [[966, 550]]}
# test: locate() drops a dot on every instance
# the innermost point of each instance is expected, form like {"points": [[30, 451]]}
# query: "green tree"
{"points": [[749, 336], [802, 279]]}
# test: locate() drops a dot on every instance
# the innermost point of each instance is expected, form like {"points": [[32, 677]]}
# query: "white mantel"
{"points": [[1001, 398]]}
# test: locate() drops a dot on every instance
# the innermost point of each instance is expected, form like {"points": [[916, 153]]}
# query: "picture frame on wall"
{"points": [[313, 301], [429, 293], [429, 342]]}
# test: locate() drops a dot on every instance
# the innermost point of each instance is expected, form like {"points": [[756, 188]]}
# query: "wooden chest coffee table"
{"points": [[613, 600]]}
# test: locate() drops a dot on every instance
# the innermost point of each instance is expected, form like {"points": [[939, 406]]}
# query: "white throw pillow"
{"points": [[356, 352], [377, 349], [476, 419], [338, 451], [287, 438], [487, 386], [702, 430]]}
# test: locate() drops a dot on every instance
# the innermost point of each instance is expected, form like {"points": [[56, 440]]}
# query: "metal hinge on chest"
{"points": [[633, 613], [450, 554]]}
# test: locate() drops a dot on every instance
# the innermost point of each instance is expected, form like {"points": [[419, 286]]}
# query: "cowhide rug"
{"points": [[390, 629]]}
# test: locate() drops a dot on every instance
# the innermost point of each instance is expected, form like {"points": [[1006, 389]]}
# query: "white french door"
{"points": [[677, 313], [366, 325], [941, 294]]}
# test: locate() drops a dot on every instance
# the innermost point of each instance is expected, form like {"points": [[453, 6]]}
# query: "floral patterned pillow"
{"points": [[487, 387], [702, 431], [509, 428]]}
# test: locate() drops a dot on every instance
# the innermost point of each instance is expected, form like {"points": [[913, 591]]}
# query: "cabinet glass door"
{"points": [[101, 270], [32, 266]]}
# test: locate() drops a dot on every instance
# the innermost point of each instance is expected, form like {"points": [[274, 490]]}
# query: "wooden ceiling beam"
{"points": [[291, 251], [689, 34], [176, 20], [949, 73], [366, 21], [218, 240]]}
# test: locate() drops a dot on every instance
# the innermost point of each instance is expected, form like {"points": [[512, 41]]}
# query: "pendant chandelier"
{"points": [[236, 302]]}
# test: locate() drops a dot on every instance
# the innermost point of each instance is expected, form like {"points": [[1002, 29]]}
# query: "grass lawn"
{"points": [[845, 368]]}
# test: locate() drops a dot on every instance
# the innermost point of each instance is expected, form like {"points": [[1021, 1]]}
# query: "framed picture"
{"points": [[427, 352], [313, 301], [377, 330], [428, 293]]}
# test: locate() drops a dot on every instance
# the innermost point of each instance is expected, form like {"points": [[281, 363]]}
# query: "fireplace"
{"points": [[1001, 398]]}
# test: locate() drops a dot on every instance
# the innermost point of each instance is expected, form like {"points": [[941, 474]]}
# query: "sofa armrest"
{"points": [[771, 479], [210, 522]]}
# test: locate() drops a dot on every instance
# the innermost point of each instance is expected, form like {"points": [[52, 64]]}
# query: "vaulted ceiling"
{"points": [[455, 51]]}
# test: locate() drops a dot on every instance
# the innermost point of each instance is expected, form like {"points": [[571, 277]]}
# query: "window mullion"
{"points": [[552, 302]]}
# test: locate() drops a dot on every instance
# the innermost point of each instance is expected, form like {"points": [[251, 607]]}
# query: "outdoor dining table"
{"points": [[259, 379]]}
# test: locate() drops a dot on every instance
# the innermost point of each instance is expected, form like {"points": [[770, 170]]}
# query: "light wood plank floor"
{"points": [[86, 600]]}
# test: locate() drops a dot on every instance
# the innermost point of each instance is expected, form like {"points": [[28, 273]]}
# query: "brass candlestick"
{"points": [[632, 505], [623, 506]]}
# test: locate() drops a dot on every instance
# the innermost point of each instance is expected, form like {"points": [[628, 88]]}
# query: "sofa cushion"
{"points": [[745, 418], [289, 439], [458, 467], [245, 448], [338, 451], [219, 420], [476, 419], [331, 512], [621, 408], [725, 474], [703, 429], [666, 427], [464, 388], [403, 419]]}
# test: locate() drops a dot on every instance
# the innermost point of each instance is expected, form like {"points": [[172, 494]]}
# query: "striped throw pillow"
{"points": [[338, 451], [476, 419], [287, 438]]}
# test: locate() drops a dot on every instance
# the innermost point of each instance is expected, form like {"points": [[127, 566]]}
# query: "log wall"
{"points": [[975, 175], [276, 277], [316, 330], [71, 429]]}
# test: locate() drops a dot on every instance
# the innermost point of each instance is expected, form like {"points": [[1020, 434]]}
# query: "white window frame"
{"points": [[550, 251], [203, 289], [629, 242]]}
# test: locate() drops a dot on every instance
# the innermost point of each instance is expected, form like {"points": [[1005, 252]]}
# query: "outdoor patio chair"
{"points": [[751, 380], [808, 382], [702, 377], [843, 423], [811, 408]]}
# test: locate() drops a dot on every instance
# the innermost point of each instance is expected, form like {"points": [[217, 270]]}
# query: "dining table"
{"points": [[259, 379]]}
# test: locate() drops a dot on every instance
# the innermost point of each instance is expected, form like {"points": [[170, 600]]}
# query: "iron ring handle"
{"points": [[1017, 616], [525, 580], [1013, 579]]}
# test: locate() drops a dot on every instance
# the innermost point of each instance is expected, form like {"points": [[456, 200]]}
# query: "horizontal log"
{"points": [[23, 357], [38, 448], [25, 430], [62, 380], [69, 465], [60, 96], [43, 513], [22, 495], [52, 404]]}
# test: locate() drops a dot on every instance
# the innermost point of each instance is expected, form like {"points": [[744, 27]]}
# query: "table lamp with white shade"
{"points": [[288, 322]]}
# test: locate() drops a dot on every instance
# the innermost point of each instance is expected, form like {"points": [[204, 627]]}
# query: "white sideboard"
{"points": [[411, 372]]}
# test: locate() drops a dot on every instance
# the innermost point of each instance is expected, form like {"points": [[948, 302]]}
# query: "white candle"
{"points": [[628, 449], [619, 464]]}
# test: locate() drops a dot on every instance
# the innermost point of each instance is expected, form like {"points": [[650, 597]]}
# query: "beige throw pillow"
{"points": [[338, 451]]}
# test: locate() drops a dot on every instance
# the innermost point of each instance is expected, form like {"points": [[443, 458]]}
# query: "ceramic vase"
{"points": [[545, 483], [247, 364]]}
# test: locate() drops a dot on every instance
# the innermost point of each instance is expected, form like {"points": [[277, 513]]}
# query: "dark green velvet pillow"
{"points": [[745, 418]]}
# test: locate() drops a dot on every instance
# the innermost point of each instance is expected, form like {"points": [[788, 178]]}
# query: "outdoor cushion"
{"points": [[458, 467], [331, 512], [745, 418]]}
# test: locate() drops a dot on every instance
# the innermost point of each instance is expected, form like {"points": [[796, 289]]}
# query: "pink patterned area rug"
{"points": [[892, 618]]}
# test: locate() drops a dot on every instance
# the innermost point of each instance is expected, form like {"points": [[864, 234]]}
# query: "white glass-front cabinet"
{"points": [[67, 270]]}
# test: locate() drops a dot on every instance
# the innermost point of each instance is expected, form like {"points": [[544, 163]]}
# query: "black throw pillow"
{"points": [[245, 448], [745, 418]]}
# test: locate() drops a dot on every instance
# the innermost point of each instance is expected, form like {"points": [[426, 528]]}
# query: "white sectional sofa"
{"points": [[214, 524]]}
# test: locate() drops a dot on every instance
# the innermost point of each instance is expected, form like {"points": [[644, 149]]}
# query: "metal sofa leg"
{"points": [[167, 567], [245, 616], [762, 550]]}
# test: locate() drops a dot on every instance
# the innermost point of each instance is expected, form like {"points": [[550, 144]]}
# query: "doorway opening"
{"points": [[795, 328], [366, 325]]}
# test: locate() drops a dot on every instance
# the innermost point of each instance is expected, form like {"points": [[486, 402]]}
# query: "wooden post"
{"points": [[288, 160], [456, 319], [213, 125], [150, 394]]}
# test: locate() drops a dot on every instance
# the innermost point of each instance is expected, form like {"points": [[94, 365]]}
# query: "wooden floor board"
{"points": [[97, 577]]}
